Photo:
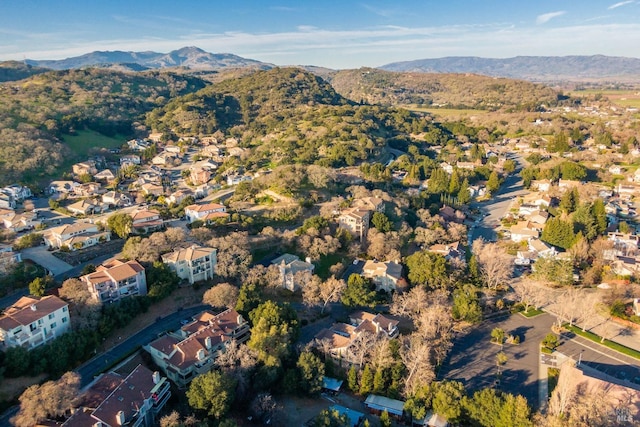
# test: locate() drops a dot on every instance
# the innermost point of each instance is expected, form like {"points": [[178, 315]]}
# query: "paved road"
{"points": [[498, 205], [170, 322]]}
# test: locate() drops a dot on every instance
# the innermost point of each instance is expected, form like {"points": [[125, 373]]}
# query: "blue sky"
{"points": [[331, 33]]}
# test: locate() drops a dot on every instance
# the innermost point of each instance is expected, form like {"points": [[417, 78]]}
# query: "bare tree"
{"points": [[51, 399], [566, 390], [416, 357], [359, 349], [383, 246], [316, 292], [221, 295], [410, 303], [529, 293], [496, 267]]}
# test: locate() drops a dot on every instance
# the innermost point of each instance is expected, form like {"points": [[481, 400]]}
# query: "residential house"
{"points": [[237, 179], [130, 160], [85, 168], [173, 149], [626, 189], [379, 404], [152, 189], [7, 201], [198, 175], [384, 275], [193, 349], [105, 175], [155, 137], [538, 217], [88, 189], [236, 151], [477, 190], [289, 266], [615, 170], [446, 167], [373, 204], [116, 199], [85, 207], [75, 236], [526, 209], [636, 175], [116, 279], [8, 258], [625, 242], [138, 144], [62, 187], [376, 323], [450, 214], [21, 222], [178, 196], [195, 263], [31, 322], [337, 340], [17, 192], [206, 212], [145, 221], [541, 249], [164, 158], [116, 400], [524, 230], [542, 185], [625, 266], [466, 165], [448, 250], [433, 419], [566, 184], [356, 221]]}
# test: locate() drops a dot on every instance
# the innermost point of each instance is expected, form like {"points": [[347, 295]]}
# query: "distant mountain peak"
{"points": [[188, 56]]}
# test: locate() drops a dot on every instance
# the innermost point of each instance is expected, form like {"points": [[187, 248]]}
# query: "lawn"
{"points": [[84, 140], [532, 312], [612, 345], [325, 264], [445, 112]]}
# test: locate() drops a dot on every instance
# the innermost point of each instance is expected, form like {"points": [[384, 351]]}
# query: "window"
{"points": [[64, 309], [64, 319], [40, 322], [53, 325], [51, 316]]}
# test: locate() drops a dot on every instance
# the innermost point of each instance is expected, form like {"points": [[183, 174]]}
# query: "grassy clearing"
{"points": [[325, 264], [85, 140], [597, 339], [531, 313]]}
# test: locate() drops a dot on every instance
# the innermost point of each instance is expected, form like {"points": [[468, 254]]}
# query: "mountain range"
{"points": [[189, 57], [533, 68]]}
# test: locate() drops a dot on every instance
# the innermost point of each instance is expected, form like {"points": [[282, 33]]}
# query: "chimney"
{"points": [[207, 343], [156, 377], [33, 307], [308, 260], [120, 418]]}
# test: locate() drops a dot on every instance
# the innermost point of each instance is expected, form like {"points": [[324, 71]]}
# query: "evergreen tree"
{"points": [[352, 379], [558, 233], [600, 215], [454, 182], [464, 195], [379, 382], [493, 183], [438, 181], [570, 200], [584, 222], [366, 381], [385, 419]]}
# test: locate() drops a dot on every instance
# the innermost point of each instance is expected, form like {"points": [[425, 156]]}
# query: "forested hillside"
{"points": [[374, 86], [288, 115], [37, 112], [14, 70]]}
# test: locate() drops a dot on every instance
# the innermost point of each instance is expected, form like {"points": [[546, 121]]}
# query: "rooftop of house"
{"points": [[188, 254], [29, 309], [114, 270], [388, 268], [205, 207]]}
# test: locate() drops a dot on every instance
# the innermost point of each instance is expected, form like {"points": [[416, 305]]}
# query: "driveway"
{"points": [[41, 256], [472, 359]]}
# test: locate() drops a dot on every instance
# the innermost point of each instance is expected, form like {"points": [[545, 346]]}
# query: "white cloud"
{"points": [[619, 4], [546, 17]]}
